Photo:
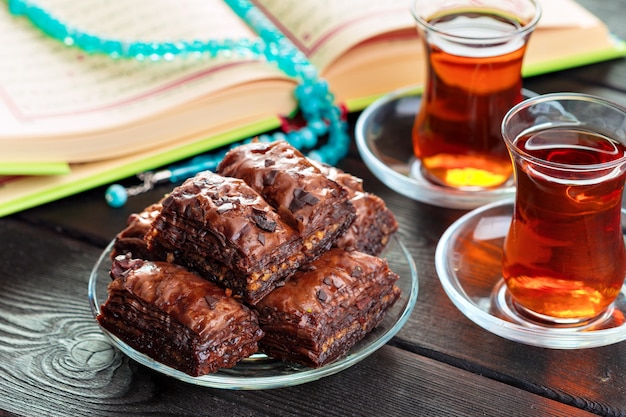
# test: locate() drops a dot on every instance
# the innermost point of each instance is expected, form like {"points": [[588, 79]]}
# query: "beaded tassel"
{"points": [[315, 101]]}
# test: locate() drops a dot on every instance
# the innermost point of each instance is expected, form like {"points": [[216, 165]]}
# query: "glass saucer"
{"points": [[260, 371], [468, 261], [383, 138]]}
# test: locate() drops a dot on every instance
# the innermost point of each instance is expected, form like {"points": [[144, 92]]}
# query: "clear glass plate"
{"points": [[383, 137], [468, 261], [260, 371]]}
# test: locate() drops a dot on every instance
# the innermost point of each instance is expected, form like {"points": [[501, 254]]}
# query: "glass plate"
{"points": [[468, 261], [260, 371], [383, 137]]}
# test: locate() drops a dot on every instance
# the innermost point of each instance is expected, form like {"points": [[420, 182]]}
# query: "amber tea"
{"points": [[564, 255], [473, 79]]}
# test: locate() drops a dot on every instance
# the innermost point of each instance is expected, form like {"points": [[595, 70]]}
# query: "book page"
{"points": [[326, 29], [48, 88], [565, 13]]}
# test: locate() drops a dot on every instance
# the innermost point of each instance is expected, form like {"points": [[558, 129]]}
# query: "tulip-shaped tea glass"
{"points": [[564, 260], [474, 51]]}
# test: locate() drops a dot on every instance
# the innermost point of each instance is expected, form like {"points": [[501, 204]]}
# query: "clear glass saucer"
{"points": [[383, 138], [260, 371], [468, 262]]}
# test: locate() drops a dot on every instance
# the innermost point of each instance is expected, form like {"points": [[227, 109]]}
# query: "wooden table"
{"points": [[55, 361]]}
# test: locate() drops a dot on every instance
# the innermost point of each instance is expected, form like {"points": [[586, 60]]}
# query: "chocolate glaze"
{"points": [[296, 188], [131, 239], [371, 229], [327, 307], [374, 222], [348, 181], [177, 317], [228, 214], [226, 231]]}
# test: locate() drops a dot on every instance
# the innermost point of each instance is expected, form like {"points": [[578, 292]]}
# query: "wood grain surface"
{"points": [[54, 361]]}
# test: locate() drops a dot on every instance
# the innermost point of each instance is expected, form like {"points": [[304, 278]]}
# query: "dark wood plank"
{"points": [[56, 362], [87, 216], [463, 355]]}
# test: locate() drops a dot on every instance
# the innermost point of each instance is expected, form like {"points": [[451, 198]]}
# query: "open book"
{"points": [[109, 119]]}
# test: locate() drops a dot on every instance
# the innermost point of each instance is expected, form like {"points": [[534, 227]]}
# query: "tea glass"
{"points": [[474, 51], [564, 259]]}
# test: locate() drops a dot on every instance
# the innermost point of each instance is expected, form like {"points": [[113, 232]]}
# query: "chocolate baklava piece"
{"points": [[131, 239], [372, 228], [326, 307], [316, 206], [374, 223], [225, 231], [352, 183], [176, 317]]}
